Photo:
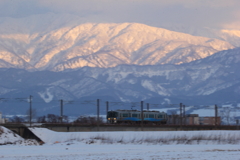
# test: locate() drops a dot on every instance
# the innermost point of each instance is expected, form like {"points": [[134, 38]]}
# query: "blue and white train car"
{"points": [[134, 116]]}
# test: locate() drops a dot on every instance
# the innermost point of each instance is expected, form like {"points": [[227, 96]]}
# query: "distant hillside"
{"points": [[213, 80]]}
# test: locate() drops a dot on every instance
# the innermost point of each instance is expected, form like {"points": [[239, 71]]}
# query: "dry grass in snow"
{"points": [[150, 137]]}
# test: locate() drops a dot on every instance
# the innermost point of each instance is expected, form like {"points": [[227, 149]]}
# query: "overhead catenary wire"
{"points": [[116, 104], [112, 103]]}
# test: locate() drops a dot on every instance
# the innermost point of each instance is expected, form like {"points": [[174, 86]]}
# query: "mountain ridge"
{"points": [[201, 82], [61, 43], [201, 77]]}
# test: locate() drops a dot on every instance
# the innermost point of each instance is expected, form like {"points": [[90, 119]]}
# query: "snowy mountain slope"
{"points": [[229, 35], [212, 80], [65, 42]]}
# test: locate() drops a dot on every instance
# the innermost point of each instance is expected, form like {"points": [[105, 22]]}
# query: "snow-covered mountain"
{"points": [[229, 35], [212, 80], [120, 62], [59, 42]]}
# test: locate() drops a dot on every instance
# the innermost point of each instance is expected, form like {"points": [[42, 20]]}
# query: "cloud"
{"points": [[23, 8], [233, 23], [233, 26], [204, 13], [208, 3]]}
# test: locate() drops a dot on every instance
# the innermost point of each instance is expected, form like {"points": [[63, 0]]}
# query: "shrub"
{"points": [[88, 120]]}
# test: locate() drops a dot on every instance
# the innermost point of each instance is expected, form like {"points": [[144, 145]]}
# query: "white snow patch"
{"points": [[46, 96], [157, 88], [167, 100], [127, 145]]}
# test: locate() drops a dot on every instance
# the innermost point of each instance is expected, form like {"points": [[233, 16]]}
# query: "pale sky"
{"points": [[202, 13]]}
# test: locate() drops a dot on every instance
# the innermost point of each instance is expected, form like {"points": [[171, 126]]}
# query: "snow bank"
{"points": [[151, 137], [9, 137]]}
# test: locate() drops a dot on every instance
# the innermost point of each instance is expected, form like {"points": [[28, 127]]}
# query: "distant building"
{"points": [[2, 120], [192, 119], [173, 119], [209, 120]]}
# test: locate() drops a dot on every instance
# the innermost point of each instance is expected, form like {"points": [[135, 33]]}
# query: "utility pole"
{"points": [[61, 110], [184, 115], [180, 116], [30, 111], [107, 107], [98, 112], [148, 106], [142, 115], [216, 115]]}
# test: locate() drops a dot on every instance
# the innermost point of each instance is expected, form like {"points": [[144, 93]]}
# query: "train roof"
{"points": [[138, 111]]}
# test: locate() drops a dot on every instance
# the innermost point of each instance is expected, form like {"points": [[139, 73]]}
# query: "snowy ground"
{"points": [[214, 145], [69, 151]]}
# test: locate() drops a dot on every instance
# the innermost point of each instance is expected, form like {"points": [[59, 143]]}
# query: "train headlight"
{"points": [[114, 118]]}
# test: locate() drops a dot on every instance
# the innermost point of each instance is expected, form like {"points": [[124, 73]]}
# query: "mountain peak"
{"points": [[62, 43]]}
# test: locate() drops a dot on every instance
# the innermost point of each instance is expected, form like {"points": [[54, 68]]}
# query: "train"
{"points": [[134, 117]]}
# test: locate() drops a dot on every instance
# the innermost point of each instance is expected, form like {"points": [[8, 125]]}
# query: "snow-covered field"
{"points": [[197, 145], [69, 151]]}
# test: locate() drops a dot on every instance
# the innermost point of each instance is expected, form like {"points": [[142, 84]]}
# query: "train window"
{"points": [[160, 116], [151, 115], [134, 115], [125, 115], [145, 116], [112, 114]]}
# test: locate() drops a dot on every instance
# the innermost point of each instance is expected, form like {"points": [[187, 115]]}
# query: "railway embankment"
{"points": [[94, 128]]}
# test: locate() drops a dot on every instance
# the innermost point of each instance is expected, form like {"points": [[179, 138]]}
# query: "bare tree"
{"points": [[17, 119], [221, 114], [234, 115], [88, 120], [32, 114], [52, 118], [174, 117], [225, 114], [65, 119], [42, 119]]}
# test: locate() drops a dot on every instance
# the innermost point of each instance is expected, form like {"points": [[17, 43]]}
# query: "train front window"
{"points": [[112, 114]]}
